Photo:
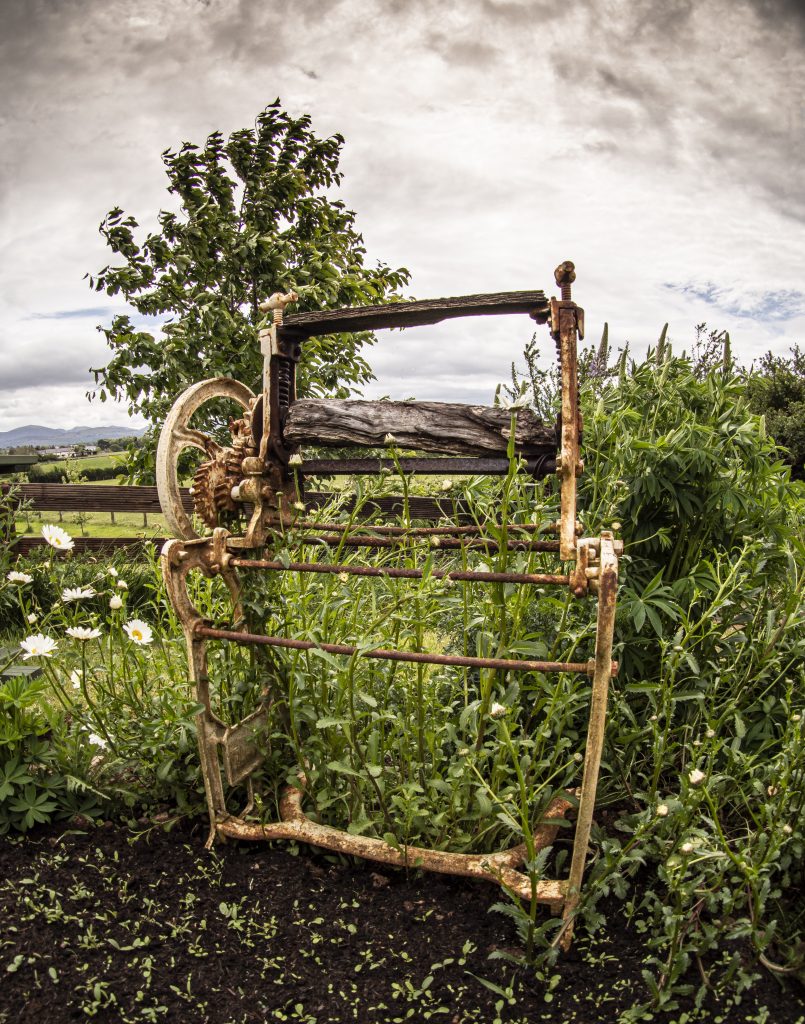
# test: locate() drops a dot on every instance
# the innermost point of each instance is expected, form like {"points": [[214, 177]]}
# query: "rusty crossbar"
{"points": [[447, 543], [452, 466], [383, 654], [429, 531], [336, 568]]}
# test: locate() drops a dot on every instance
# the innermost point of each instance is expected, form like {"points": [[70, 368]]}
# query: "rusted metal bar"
{"points": [[447, 543], [430, 531], [382, 654], [567, 320], [449, 466], [334, 568], [602, 673], [498, 867]]}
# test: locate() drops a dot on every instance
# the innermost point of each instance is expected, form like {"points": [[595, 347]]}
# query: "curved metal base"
{"points": [[494, 867]]}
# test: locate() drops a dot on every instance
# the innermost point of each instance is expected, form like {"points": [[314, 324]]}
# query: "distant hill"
{"points": [[34, 434]]}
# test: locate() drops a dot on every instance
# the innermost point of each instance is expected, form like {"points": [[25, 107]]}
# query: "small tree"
{"points": [[254, 218], [776, 388]]}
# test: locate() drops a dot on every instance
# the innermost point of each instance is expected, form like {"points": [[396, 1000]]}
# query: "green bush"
{"points": [[705, 754], [776, 390]]}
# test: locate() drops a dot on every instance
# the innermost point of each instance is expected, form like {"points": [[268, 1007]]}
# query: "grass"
{"points": [[104, 461], [96, 524]]}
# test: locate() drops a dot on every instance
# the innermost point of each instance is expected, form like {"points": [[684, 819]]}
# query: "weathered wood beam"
{"points": [[448, 428], [299, 326]]}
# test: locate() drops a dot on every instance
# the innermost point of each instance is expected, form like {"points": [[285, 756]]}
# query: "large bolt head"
{"points": [[565, 273]]}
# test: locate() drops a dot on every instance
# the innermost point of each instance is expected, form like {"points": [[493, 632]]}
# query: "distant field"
{"points": [[104, 461], [95, 524]]}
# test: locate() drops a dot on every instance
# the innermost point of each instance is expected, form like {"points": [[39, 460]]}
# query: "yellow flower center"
{"points": [[136, 634]]}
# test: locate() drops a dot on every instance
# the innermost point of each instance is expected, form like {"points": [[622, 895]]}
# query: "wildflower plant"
{"points": [[97, 684], [702, 788]]}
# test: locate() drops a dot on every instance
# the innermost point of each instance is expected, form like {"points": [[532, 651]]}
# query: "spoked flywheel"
{"points": [[220, 473]]}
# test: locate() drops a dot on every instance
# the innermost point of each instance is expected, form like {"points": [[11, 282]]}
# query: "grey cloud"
{"points": [[473, 53], [25, 370], [774, 305], [781, 14], [71, 314], [526, 14]]}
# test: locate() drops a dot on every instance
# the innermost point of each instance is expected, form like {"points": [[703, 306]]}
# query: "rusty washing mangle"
{"points": [[259, 477]]}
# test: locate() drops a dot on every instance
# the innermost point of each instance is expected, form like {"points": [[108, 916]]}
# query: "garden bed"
{"points": [[99, 923]]}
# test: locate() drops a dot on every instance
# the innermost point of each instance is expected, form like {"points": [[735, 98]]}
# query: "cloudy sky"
{"points": [[657, 143]]}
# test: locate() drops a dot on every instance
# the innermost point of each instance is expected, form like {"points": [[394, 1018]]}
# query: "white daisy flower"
{"points": [[343, 577], [787, 830], [139, 632], [122, 585], [57, 537], [31, 618], [662, 810], [687, 848], [115, 602], [19, 577], [497, 710], [299, 506], [75, 679], [83, 633], [447, 485], [112, 571], [696, 777], [77, 594], [389, 439], [97, 740], [37, 646], [522, 401], [295, 459]]}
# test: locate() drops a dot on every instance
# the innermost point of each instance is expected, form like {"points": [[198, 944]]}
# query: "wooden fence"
{"points": [[110, 499], [86, 498]]}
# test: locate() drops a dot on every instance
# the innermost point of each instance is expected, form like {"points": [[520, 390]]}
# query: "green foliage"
{"points": [[115, 739], [704, 768], [255, 216], [60, 474], [711, 638], [34, 786], [776, 390]]}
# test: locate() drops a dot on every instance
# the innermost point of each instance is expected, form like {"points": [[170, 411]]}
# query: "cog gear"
{"points": [[214, 480]]}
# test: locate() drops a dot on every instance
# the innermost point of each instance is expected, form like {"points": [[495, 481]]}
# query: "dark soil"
{"points": [[96, 924]]}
